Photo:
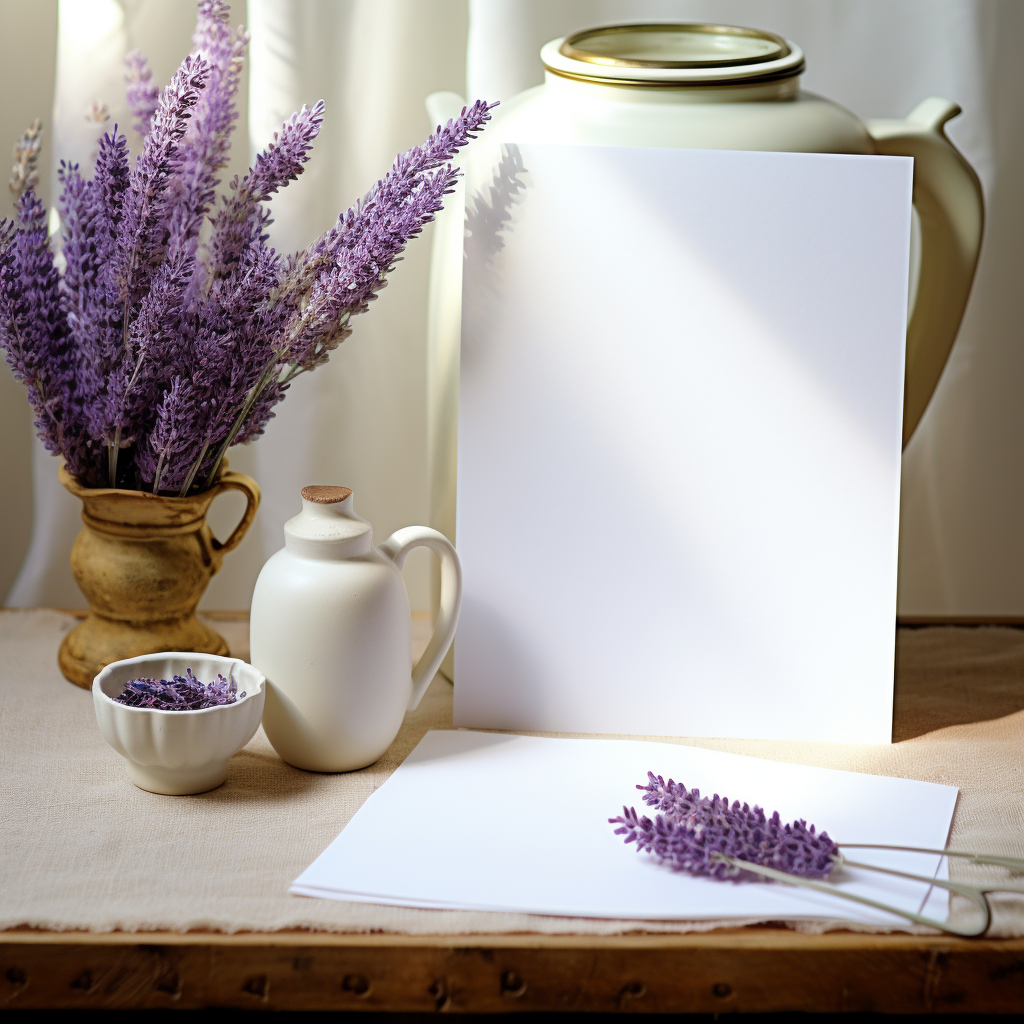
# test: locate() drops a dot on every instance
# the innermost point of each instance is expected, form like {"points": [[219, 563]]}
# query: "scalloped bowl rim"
{"points": [[188, 658]]}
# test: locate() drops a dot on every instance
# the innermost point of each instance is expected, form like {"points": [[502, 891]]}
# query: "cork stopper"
{"points": [[324, 494]]}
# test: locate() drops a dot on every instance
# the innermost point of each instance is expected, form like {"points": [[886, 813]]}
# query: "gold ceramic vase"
{"points": [[143, 562]]}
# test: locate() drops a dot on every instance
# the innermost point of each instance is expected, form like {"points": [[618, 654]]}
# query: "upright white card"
{"points": [[679, 442]]}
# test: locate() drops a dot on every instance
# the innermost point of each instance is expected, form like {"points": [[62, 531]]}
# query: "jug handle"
{"points": [[396, 547], [951, 208], [232, 481]]}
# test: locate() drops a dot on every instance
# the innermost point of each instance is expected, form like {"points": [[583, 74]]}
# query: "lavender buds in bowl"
{"points": [[177, 718], [182, 693]]}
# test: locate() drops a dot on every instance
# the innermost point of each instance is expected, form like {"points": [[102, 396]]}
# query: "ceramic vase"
{"points": [[143, 561], [330, 629]]}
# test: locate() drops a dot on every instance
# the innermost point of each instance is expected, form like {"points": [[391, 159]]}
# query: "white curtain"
{"points": [[361, 420]]}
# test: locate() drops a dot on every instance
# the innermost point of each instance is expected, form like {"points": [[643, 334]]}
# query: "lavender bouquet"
{"points": [[174, 329]]}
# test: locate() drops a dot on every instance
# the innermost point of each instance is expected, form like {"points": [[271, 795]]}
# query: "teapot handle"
{"points": [[396, 547], [951, 208]]}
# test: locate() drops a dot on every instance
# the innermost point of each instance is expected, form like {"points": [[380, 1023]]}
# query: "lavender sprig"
{"points": [[169, 436], [180, 693], [240, 222], [397, 188], [34, 331], [337, 277], [696, 834], [143, 235], [711, 837], [161, 325], [207, 141], [141, 94], [91, 213]]}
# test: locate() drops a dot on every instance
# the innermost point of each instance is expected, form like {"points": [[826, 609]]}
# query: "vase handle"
{"points": [[396, 547], [232, 481]]}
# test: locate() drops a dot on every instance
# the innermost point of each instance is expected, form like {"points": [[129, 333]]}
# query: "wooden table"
{"points": [[752, 969], [761, 969]]}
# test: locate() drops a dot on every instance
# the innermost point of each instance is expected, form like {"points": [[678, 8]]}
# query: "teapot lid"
{"points": [[672, 54]]}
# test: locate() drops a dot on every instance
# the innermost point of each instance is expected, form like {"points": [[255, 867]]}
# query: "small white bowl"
{"points": [[178, 752]]}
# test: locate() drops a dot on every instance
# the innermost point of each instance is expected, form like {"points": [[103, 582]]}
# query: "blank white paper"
{"points": [[679, 442], [485, 821]]}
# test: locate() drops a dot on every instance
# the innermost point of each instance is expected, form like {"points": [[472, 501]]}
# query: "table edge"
{"points": [[740, 938]]}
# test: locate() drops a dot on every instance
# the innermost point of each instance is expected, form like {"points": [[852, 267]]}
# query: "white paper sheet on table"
{"points": [[486, 821], [680, 422]]}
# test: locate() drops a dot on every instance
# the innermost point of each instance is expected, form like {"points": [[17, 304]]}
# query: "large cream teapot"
{"points": [[713, 87]]}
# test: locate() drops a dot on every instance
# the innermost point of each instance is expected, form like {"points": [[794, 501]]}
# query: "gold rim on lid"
{"points": [[672, 53], [772, 47]]}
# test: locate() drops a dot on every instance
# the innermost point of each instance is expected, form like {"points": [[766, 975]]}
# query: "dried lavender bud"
{"points": [[693, 832], [142, 95], [25, 173], [182, 693], [97, 112]]}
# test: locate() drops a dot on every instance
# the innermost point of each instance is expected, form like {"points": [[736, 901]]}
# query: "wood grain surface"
{"points": [[750, 970]]}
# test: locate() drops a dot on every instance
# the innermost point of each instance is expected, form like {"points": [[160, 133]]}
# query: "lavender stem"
{"points": [[112, 451], [192, 472], [970, 891], [254, 394], [159, 472], [1010, 863]]}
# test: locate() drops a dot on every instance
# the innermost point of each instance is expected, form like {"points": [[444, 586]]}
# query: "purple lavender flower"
{"points": [[334, 279], [150, 348], [239, 224], [696, 834], [91, 213], [337, 277], [396, 190], [207, 140], [141, 94], [365, 255], [181, 693], [142, 232], [155, 353], [169, 436], [143, 235], [35, 335]]}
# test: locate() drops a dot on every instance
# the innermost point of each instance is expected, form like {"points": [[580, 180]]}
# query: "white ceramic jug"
{"points": [[330, 629], [706, 87]]}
